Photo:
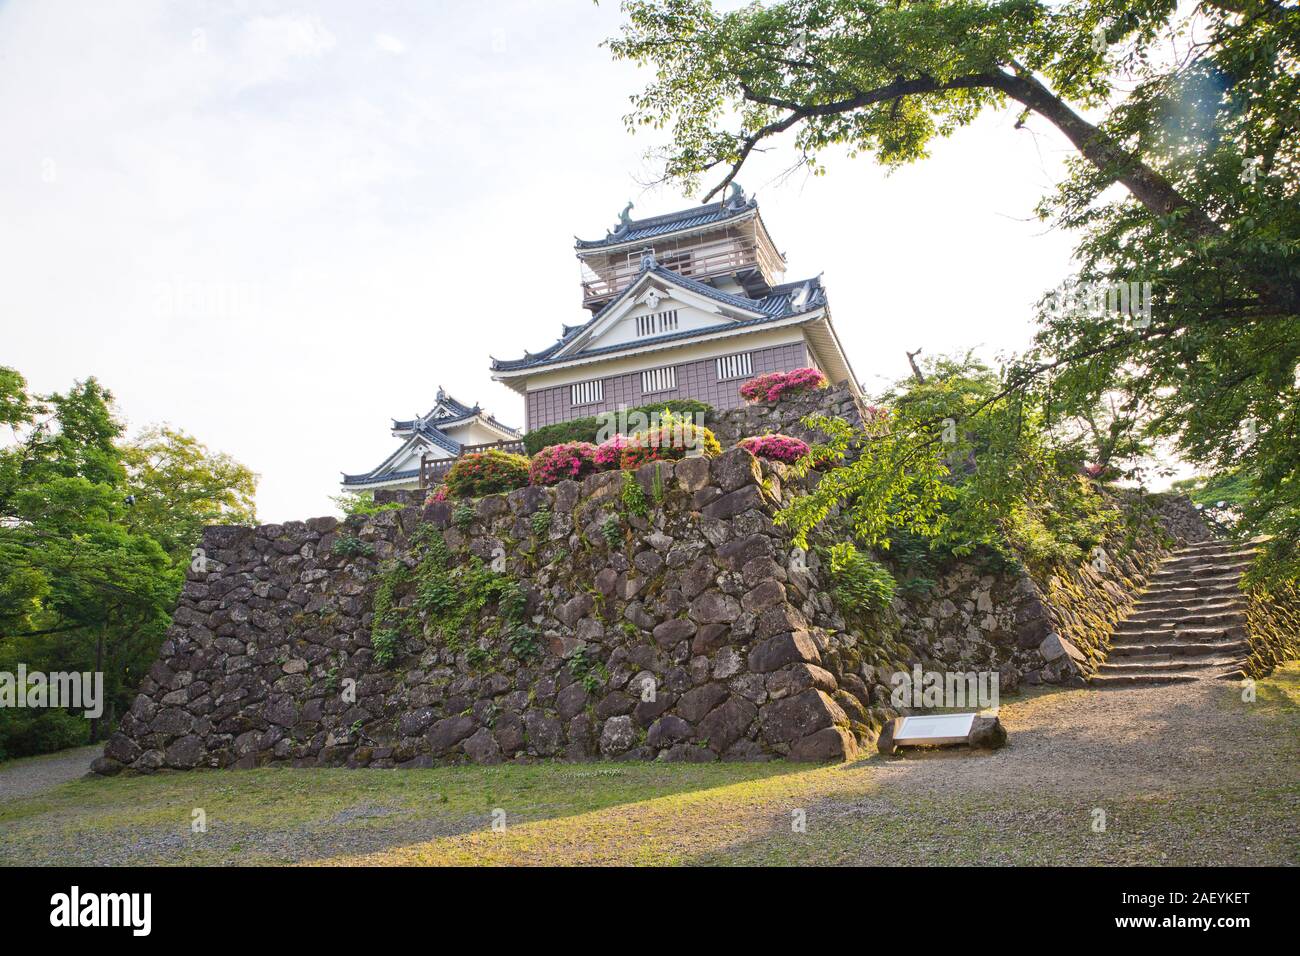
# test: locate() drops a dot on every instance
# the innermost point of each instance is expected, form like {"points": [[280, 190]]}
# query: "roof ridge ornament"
{"points": [[624, 222], [737, 197], [648, 260]]}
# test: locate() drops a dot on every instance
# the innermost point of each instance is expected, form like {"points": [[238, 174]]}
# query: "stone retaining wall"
{"points": [[698, 599], [733, 424], [693, 630], [1272, 628]]}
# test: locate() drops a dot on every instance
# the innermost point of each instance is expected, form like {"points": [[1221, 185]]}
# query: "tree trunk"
{"points": [[99, 669]]}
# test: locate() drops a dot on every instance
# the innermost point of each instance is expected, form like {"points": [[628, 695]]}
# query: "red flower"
{"points": [[555, 463], [775, 385], [775, 447]]}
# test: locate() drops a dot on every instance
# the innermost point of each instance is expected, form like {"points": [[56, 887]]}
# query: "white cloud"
{"points": [[390, 44]]}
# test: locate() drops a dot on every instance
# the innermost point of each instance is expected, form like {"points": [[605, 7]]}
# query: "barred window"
{"points": [[585, 393], [659, 379], [656, 322], [740, 365]]}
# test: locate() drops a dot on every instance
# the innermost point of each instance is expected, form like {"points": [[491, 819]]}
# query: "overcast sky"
{"points": [[277, 226]]}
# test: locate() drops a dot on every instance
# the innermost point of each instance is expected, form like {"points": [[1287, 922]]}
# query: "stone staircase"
{"points": [[1189, 624]]}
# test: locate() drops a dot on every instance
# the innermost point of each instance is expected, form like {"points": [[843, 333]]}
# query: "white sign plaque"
{"points": [[934, 729]]}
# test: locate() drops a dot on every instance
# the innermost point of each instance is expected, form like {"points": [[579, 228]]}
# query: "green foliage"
{"points": [[633, 498], [612, 531], [862, 585], [998, 484], [522, 640], [657, 485], [386, 642], [361, 503], [179, 487], [446, 597], [597, 428], [588, 670], [541, 522], [350, 546], [462, 516], [26, 732], [95, 538]]}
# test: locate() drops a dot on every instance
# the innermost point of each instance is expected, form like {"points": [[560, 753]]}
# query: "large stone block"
{"points": [[777, 651], [793, 718]]}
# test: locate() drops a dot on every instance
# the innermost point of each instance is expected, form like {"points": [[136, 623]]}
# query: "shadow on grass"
{"points": [[286, 815]]}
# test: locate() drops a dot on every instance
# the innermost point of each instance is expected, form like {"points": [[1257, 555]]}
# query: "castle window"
{"points": [[740, 365], [659, 379], [656, 322], [586, 393]]}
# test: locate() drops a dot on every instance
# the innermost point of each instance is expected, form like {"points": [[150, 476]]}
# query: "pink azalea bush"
{"points": [[775, 385], [609, 454], [775, 447], [438, 494], [555, 463]]}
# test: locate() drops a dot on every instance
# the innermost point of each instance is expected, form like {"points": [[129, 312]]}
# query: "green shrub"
{"points": [[486, 473], [634, 501], [588, 429], [386, 643], [25, 732], [523, 642], [862, 584], [612, 531], [350, 546], [362, 503], [587, 671]]}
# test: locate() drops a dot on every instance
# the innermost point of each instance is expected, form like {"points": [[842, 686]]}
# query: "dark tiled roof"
{"points": [[456, 412], [372, 477], [637, 229], [778, 304]]}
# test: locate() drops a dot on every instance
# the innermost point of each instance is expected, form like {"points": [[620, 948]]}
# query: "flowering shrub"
{"points": [[669, 441], [876, 420], [438, 494], [486, 473], [557, 462], [776, 385], [609, 454], [776, 447]]}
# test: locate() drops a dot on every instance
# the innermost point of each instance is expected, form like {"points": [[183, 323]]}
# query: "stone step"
{"points": [[1165, 618], [1194, 593], [1172, 635], [1140, 680], [1208, 556], [1168, 662], [1167, 626], [1200, 572], [1155, 600], [1197, 580], [1212, 547], [1187, 649]]}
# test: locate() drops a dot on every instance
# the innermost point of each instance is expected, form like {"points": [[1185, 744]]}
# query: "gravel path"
{"points": [[31, 775], [1143, 738]]}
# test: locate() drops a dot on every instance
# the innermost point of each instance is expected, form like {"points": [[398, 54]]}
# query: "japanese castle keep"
{"points": [[689, 304], [685, 305]]}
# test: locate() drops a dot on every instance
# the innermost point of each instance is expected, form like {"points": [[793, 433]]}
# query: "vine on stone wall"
{"points": [[446, 597]]}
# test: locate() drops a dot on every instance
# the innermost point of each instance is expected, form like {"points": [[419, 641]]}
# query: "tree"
{"points": [[178, 486], [1205, 234], [959, 463], [87, 581]]}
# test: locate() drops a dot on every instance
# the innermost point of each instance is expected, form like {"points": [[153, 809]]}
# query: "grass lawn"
{"points": [[1183, 775]]}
